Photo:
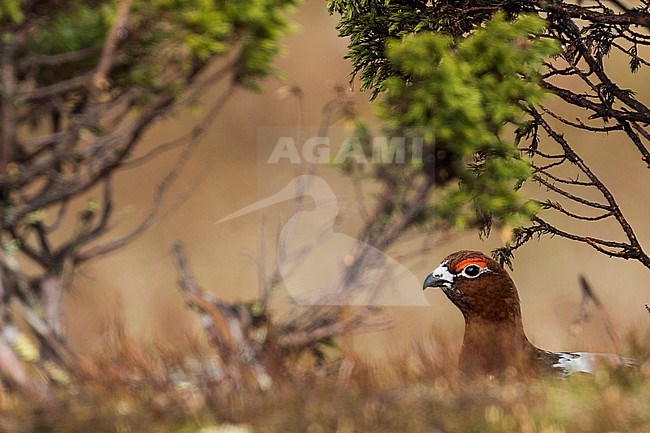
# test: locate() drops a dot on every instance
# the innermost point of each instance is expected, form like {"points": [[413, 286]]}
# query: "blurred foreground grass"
{"points": [[132, 389]]}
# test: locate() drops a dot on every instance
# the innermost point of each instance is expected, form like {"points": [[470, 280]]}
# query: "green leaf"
{"points": [[464, 95]]}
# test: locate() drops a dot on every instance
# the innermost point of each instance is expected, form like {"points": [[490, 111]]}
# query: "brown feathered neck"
{"points": [[494, 335]]}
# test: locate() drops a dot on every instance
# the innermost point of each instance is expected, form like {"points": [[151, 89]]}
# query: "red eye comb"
{"points": [[479, 261]]}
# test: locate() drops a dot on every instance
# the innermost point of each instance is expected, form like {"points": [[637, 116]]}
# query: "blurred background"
{"points": [[139, 282]]}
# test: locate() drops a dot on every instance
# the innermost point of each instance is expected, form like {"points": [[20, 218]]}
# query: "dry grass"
{"points": [[130, 389]]}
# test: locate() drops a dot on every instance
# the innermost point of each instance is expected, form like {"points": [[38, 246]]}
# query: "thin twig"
{"points": [[589, 292]]}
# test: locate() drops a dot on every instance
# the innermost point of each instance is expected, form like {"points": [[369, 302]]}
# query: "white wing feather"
{"points": [[585, 362]]}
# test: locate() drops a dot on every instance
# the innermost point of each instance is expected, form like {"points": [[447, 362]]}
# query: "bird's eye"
{"points": [[472, 271]]}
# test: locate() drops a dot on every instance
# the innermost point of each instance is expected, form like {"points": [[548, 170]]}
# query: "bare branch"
{"points": [[85, 233], [100, 77], [58, 88], [589, 294], [40, 60], [613, 205], [624, 250], [568, 195], [226, 325], [176, 142], [152, 216], [641, 131], [637, 142], [60, 215], [557, 206], [104, 154], [624, 96], [580, 12], [558, 179], [579, 124], [601, 110], [7, 101], [34, 146]]}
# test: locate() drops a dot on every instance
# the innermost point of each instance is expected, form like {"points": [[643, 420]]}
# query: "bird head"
{"points": [[477, 285]]}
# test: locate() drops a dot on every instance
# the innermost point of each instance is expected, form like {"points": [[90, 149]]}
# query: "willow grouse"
{"points": [[494, 338]]}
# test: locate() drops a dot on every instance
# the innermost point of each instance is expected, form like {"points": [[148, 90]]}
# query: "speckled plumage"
{"points": [[494, 340]]}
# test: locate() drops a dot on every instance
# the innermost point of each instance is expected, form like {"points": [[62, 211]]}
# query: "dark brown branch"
{"points": [[641, 131], [60, 215], [557, 206], [58, 88], [42, 239], [579, 124], [613, 205], [27, 249], [119, 109], [624, 96], [57, 59], [561, 158], [554, 71], [626, 251], [85, 233], [107, 211], [558, 179], [35, 146], [568, 195], [629, 53], [632, 36], [645, 154], [600, 109], [581, 12]]}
